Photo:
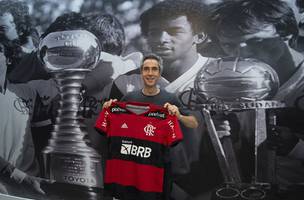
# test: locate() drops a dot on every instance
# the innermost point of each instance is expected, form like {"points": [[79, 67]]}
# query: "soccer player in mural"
{"points": [[111, 35], [22, 104], [297, 42], [21, 107], [260, 29], [24, 108], [20, 40], [172, 30]]}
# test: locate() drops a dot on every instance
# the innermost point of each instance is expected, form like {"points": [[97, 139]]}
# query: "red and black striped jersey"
{"points": [[139, 135]]}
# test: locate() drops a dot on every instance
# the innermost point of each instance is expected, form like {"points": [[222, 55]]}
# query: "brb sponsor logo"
{"points": [[128, 148]]}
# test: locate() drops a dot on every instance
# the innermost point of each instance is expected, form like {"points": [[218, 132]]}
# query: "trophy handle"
{"points": [[227, 164], [272, 120], [265, 161]]}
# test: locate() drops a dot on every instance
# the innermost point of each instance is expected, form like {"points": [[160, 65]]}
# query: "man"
{"points": [[173, 30], [260, 29], [150, 72]]}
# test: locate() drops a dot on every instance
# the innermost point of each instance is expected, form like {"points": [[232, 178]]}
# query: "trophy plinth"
{"points": [[68, 56], [234, 85]]}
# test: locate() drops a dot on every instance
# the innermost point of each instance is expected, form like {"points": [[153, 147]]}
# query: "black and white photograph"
{"points": [[152, 99]]}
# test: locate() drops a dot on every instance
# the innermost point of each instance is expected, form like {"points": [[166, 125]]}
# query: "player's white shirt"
{"points": [[183, 83], [16, 145], [17, 107], [186, 80]]}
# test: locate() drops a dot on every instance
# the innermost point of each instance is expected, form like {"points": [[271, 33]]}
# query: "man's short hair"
{"points": [[66, 22], [194, 10], [109, 31], [236, 18], [154, 57]]}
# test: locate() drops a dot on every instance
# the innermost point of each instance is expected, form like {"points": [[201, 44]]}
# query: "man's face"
{"points": [[150, 72], [172, 38], [264, 45], [8, 27]]}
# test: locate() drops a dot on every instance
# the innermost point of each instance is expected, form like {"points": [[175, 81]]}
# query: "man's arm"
{"points": [[189, 121], [20, 177]]}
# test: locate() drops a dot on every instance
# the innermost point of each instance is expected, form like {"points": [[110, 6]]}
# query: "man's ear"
{"points": [[200, 38]]}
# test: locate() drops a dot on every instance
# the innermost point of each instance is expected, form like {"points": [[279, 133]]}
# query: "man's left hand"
{"points": [[173, 110]]}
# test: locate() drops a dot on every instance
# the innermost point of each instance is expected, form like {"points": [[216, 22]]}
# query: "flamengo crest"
{"points": [[149, 130]]}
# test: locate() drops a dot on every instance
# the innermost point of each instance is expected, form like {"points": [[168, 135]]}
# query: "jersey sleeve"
{"points": [[175, 134], [102, 123]]}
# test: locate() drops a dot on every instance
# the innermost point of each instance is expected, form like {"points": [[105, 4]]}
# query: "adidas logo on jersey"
{"points": [[132, 149], [124, 125]]}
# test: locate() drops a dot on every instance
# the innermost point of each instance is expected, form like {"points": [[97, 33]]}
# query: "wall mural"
{"points": [[235, 65]]}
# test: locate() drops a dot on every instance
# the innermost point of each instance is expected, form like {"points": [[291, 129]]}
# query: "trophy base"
{"points": [[73, 169], [65, 191], [244, 191]]}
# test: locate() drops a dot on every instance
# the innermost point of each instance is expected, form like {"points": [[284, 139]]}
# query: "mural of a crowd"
{"points": [[153, 51]]}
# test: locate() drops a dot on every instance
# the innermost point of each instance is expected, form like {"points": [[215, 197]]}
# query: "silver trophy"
{"points": [[69, 56], [234, 85]]}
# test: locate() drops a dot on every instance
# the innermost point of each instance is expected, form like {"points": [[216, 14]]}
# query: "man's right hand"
{"points": [[108, 103]]}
